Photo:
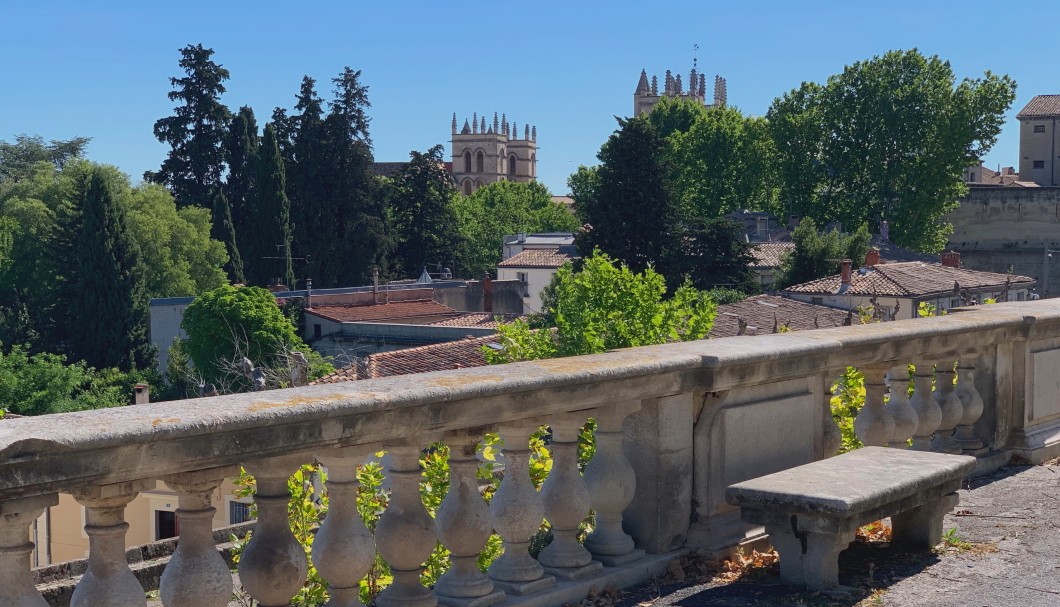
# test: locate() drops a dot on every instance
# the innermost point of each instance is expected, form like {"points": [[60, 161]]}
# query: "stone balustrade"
{"points": [[676, 424]]}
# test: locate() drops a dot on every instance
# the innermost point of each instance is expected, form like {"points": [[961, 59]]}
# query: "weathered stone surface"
{"points": [[851, 483]]}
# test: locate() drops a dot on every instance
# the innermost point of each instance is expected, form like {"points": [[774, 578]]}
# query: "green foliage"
{"points": [[196, 131], [20, 160], [108, 284], [268, 235], [421, 207], [712, 254], [848, 396], [722, 296], [230, 323], [818, 254], [37, 384], [240, 189], [504, 207], [604, 307], [888, 138]]}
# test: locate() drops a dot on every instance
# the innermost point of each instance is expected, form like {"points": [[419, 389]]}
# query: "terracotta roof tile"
{"points": [[769, 254], [394, 310], [1042, 106], [761, 312], [540, 258], [486, 320], [909, 279], [459, 354]]}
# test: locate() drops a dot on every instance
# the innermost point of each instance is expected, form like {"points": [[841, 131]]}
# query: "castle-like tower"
{"points": [[484, 154], [646, 96]]}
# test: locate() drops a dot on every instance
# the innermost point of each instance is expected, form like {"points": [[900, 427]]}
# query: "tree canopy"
{"points": [[497, 209], [605, 306], [420, 199], [888, 138], [18, 160], [819, 254]]}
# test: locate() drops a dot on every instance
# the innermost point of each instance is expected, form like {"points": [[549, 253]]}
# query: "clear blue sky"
{"points": [[101, 69]]}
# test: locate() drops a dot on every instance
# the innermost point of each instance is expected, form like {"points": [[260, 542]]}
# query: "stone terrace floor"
{"points": [[1007, 523], [1009, 554]]}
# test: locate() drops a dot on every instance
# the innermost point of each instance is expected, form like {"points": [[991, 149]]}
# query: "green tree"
{"points": [[421, 200], [18, 160], [888, 138], [108, 285], [624, 203], [197, 131], [224, 231], [268, 242], [818, 254], [229, 323], [604, 307], [504, 207], [712, 253]]}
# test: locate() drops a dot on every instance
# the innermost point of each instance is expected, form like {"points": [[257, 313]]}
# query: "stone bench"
{"points": [[811, 512]]}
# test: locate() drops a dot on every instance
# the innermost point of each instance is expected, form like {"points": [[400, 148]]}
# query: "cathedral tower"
{"points": [[495, 152], [647, 95]]}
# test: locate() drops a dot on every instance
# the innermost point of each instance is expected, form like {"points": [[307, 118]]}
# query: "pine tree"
{"points": [[110, 295], [224, 231], [196, 132], [268, 252], [241, 155], [425, 222]]}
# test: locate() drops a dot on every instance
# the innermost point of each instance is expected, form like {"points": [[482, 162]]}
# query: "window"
{"points": [[316, 330], [511, 165], [467, 187], [1039, 164], [954, 302], [467, 161], [479, 161], [238, 512], [523, 278], [166, 524], [1039, 128]]}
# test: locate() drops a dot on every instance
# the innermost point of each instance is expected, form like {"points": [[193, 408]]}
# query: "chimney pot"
{"points": [[141, 394], [872, 258], [845, 273]]}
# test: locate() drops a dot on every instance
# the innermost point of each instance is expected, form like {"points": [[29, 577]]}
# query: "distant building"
{"points": [[484, 154], [1039, 147], [768, 257], [979, 174], [647, 95], [898, 289], [535, 268], [765, 314], [517, 243]]}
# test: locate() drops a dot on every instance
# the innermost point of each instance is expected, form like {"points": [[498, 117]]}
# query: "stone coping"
{"points": [[58, 452], [851, 483]]}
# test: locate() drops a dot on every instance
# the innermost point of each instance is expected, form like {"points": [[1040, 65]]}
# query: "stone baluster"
{"points": [[404, 534], [612, 483], [273, 566], [951, 408], [108, 582], [196, 576], [567, 502], [972, 405], [463, 525], [16, 578], [343, 549], [928, 413], [873, 423], [831, 436], [903, 414], [517, 514]]}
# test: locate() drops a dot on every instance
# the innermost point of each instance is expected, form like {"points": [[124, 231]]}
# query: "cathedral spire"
{"points": [[496, 124], [515, 131], [668, 87], [474, 122], [467, 129], [526, 132], [642, 85], [482, 129], [454, 123], [655, 86], [533, 133]]}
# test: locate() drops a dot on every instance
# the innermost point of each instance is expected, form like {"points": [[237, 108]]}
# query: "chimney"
{"points": [[872, 258], [141, 394], [309, 292], [844, 275], [885, 230], [487, 294], [951, 259], [793, 221]]}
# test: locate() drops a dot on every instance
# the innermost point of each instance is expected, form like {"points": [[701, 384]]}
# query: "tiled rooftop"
{"points": [[763, 312], [1042, 106], [485, 320], [909, 279], [396, 310], [459, 354], [770, 254], [540, 258]]}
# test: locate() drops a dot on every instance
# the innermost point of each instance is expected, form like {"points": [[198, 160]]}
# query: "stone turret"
{"points": [[485, 153]]}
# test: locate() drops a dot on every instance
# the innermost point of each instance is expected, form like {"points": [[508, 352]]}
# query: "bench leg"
{"points": [[806, 558], [922, 526]]}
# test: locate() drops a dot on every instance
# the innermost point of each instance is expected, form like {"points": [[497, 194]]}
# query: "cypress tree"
{"points": [[224, 231], [269, 250], [315, 231], [241, 155], [111, 326], [421, 204]]}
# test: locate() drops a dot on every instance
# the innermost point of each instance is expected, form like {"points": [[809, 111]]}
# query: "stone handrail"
{"points": [[697, 416]]}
